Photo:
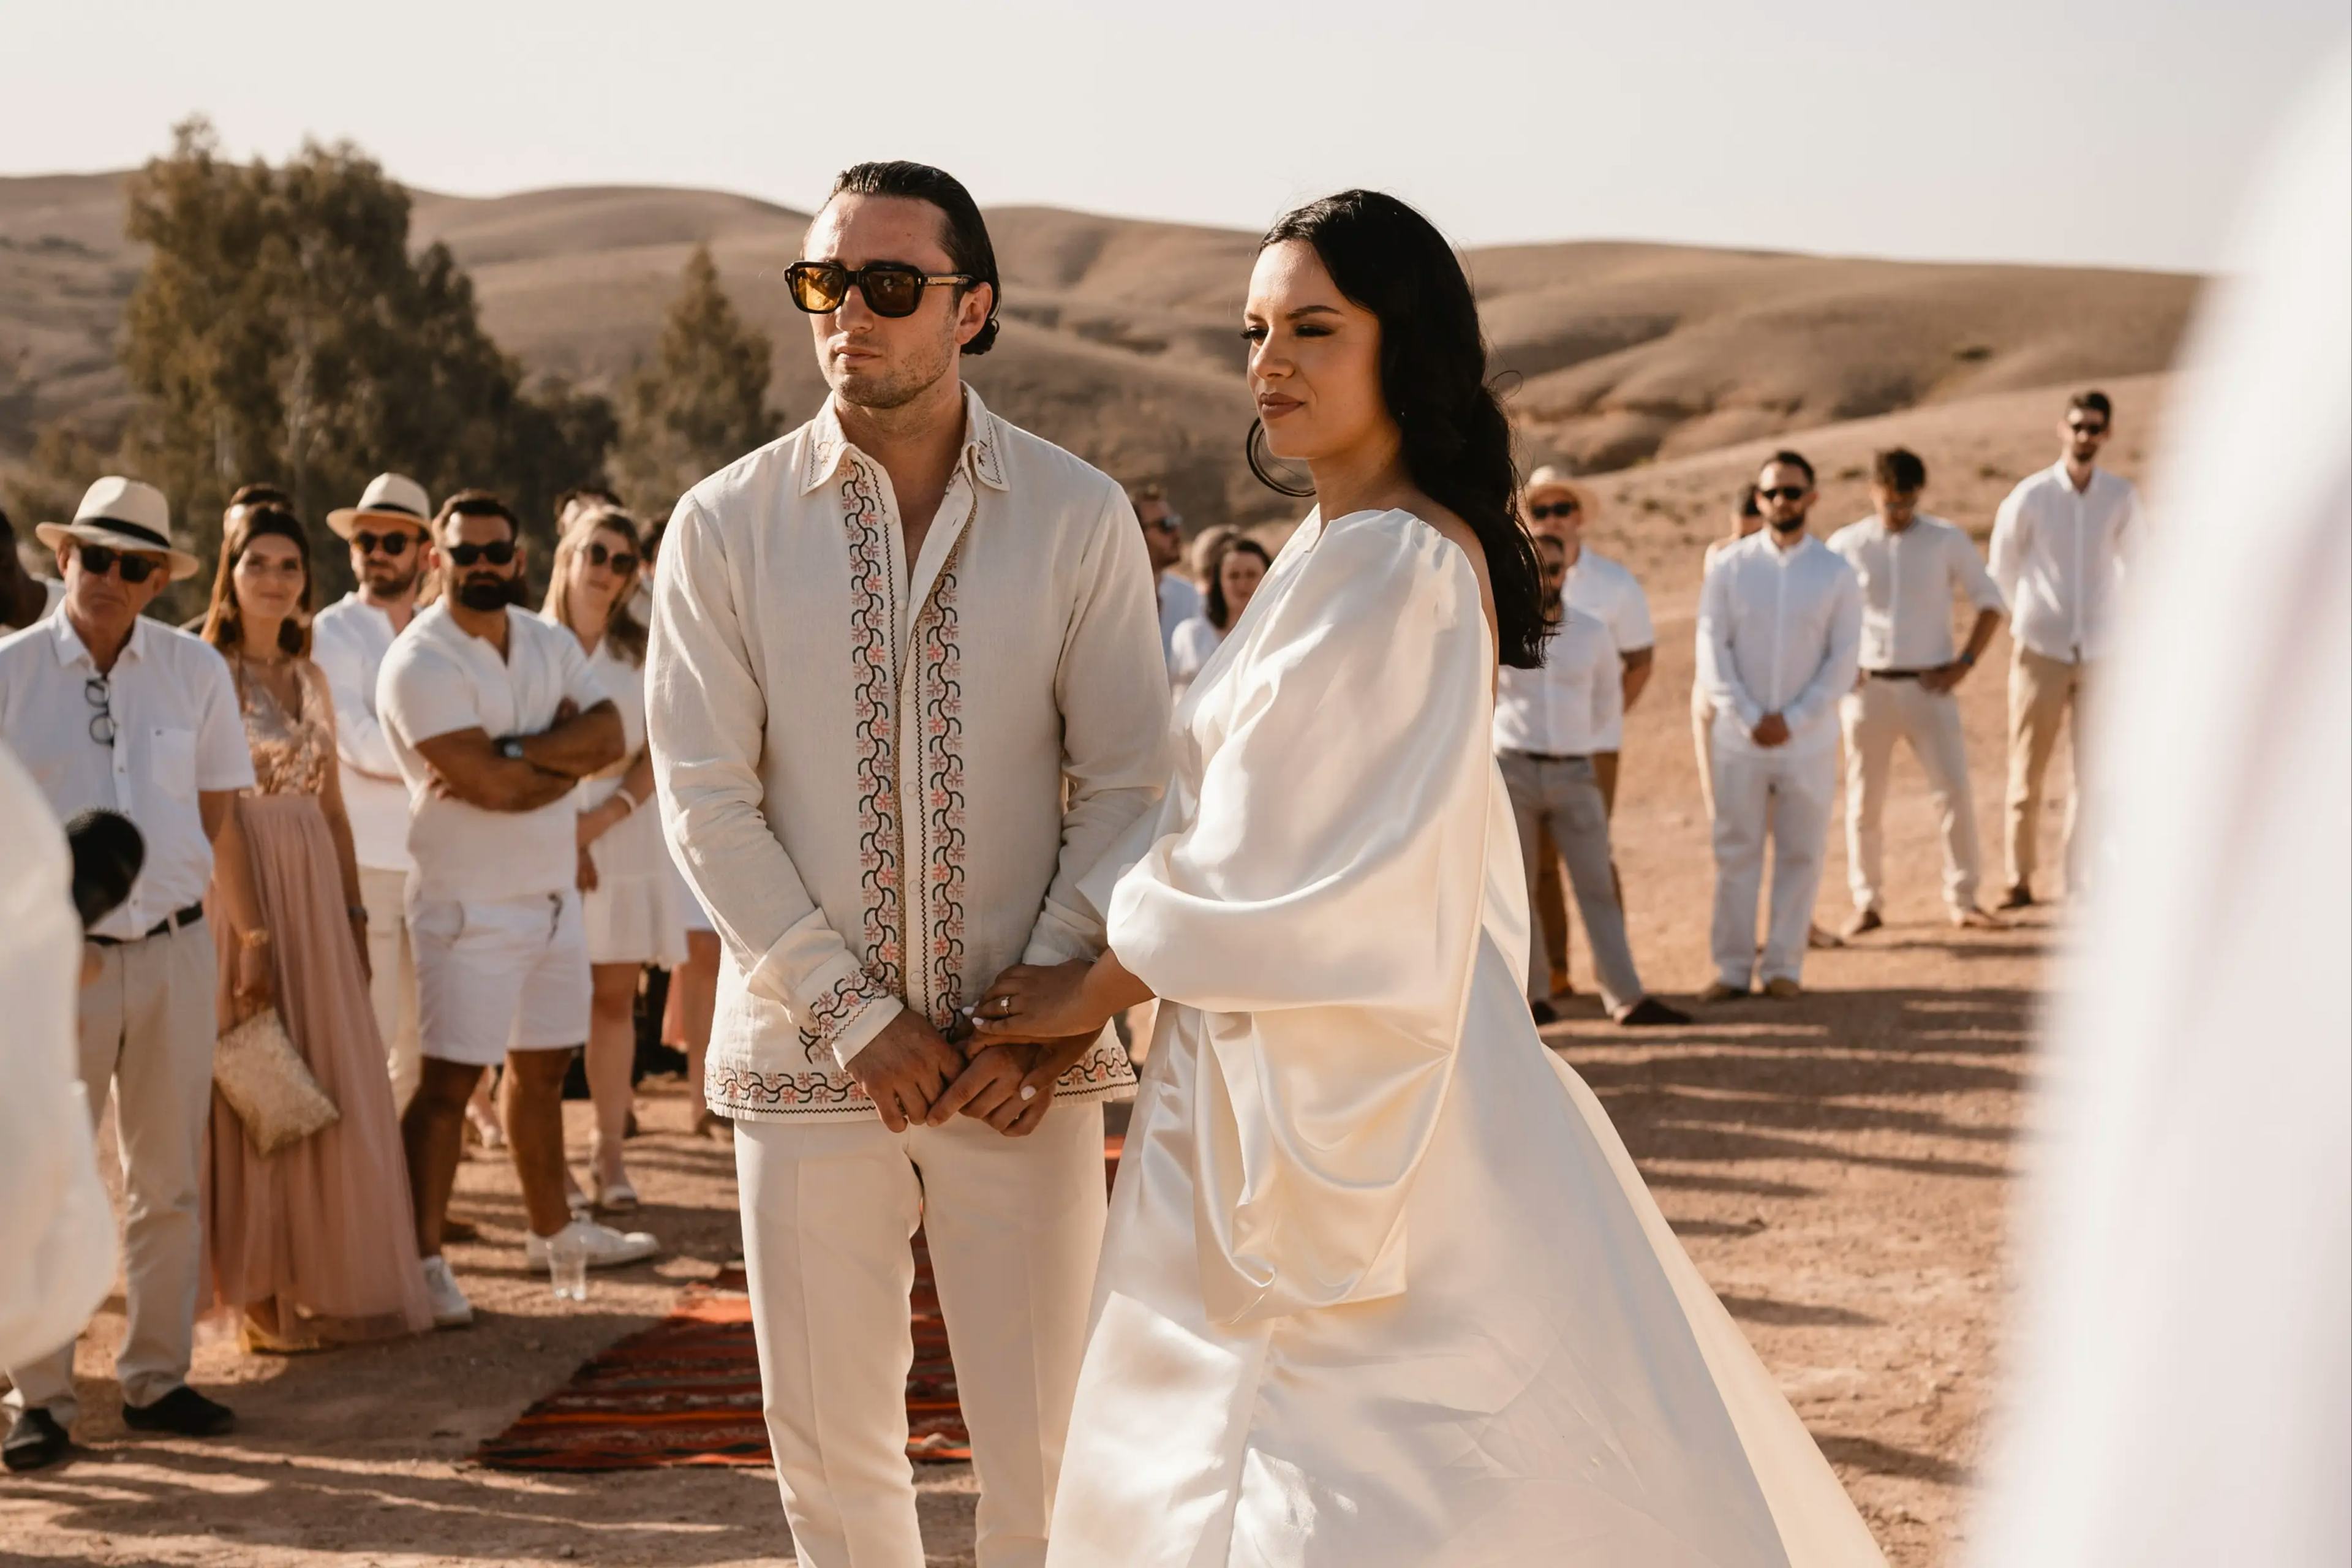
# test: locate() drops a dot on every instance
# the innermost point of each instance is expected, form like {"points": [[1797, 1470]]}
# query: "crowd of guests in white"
{"points": [[414, 824]]}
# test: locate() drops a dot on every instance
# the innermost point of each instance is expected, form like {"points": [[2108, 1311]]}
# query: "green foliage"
{"points": [[283, 333], [703, 400]]}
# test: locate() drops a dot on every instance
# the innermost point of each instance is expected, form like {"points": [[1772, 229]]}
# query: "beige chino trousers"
{"points": [[391, 984], [146, 1032], [1876, 716], [2043, 694], [1014, 1227]]}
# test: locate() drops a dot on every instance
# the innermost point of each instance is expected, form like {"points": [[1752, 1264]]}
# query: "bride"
{"points": [[1381, 1286]]}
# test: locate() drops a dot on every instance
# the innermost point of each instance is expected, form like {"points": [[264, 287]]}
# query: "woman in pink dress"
{"points": [[313, 1243]]}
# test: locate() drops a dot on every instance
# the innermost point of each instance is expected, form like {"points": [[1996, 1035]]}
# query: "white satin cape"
{"points": [[1381, 1286]]}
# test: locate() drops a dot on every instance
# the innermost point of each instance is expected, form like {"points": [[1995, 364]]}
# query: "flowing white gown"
{"points": [[1381, 1286]]}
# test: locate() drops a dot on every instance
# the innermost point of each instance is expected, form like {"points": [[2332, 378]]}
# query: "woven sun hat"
{"points": [[396, 498], [123, 514]]}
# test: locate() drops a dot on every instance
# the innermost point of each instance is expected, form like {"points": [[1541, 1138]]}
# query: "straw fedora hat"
{"points": [[394, 497], [1551, 477], [123, 514]]}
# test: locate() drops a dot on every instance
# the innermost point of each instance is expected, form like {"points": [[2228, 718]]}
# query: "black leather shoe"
{"points": [[1650, 1013], [35, 1441], [2020, 897], [184, 1412], [1545, 1013]]}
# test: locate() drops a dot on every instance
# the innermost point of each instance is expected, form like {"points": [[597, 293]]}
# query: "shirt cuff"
{"points": [[1750, 715], [839, 1005]]}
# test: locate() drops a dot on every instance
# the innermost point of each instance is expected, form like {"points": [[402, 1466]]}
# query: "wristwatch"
{"points": [[1969, 659], [511, 748]]}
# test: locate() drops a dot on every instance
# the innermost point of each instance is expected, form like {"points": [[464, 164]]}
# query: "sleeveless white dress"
{"points": [[1382, 1285]]}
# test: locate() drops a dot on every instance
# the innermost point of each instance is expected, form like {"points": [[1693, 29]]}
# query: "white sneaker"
{"points": [[450, 1308], [605, 1248]]}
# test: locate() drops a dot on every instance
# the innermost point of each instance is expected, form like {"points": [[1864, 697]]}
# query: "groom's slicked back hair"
{"points": [[966, 236]]}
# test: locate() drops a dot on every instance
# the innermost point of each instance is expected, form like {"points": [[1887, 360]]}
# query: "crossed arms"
{"points": [[470, 765]]}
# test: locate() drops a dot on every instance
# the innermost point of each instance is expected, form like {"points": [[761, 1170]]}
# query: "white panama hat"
{"points": [[123, 514], [394, 497]]}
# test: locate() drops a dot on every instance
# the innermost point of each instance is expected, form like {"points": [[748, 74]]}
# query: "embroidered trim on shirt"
{"points": [[873, 629], [940, 706], [745, 1093]]}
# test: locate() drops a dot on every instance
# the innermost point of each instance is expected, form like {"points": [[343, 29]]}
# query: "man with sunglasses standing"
{"points": [[1780, 640], [906, 690], [494, 716], [2058, 548], [392, 550], [109, 710], [1164, 540]]}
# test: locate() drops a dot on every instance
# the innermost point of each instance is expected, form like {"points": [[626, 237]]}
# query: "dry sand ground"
{"points": [[1837, 1165]]}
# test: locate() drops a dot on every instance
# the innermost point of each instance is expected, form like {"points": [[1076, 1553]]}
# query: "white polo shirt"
{"points": [[1780, 631], [177, 732], [2058, 555], [1612, 595], [439, 679], [348, 642], [1179, 602], [1567, 706], [1908, 579]]}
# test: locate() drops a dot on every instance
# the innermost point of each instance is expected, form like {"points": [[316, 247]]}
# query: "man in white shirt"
{"points": [[493, 716], [108, 709], [1780, 629], [1548, 723], [1163, 539], [1910, 564], [392, 551], [2058, 548], [904, 693]]}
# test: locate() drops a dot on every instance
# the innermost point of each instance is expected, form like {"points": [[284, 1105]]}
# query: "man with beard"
{"points": [[392, 551], [905, 692], [493, 715], [1780, 638]]}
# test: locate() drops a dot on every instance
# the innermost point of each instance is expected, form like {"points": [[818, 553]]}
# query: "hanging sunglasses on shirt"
{"points": [[497, 552], [618, 560], [98, 559], [394, 544], [892, 289]]}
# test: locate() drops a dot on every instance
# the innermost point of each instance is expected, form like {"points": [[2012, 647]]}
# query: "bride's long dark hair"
{"points": [[1390, 260]]}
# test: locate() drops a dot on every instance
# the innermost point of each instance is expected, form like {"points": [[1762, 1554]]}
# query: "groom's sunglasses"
{"points": [[891, 287]]}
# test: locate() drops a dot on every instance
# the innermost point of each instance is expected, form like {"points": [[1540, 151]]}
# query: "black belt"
{"points": [[1551, 756], [186, 917], [1894, 674]]}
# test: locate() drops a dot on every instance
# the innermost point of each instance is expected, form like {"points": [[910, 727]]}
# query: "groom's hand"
{"points": [[903, 1068], [989, 1083]]}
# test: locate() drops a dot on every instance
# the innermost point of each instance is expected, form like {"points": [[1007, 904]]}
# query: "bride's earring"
{"points": [[1259, 466]]}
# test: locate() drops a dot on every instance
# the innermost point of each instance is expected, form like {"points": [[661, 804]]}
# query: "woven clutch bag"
{"points": [[268, 1085]]}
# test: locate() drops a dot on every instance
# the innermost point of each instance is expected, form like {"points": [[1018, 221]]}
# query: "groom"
{"points": [[906, 687]]}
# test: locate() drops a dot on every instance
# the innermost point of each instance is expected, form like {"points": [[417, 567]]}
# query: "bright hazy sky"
{"points": [[2074, 130]]}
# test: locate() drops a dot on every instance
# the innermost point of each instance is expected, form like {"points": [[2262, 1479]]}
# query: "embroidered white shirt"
{"points": [[1779, 632], [177, 732], [348, 642], [1567, 707], [884, 778], [1908, 579], [2058, 555]]}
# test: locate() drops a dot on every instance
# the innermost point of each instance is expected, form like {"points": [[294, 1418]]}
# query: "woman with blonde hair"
{"points": [[628, 895], [315, 1243]]}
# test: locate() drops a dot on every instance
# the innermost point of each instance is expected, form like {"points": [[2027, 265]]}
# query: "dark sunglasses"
{"points": [[618, 560], [1553, 509], [891, 287], [1786, 492], [98, 559], [497, 552], [393, 545], [2083, 429]]}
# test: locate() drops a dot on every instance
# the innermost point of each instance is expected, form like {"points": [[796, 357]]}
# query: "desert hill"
{"points": [[1121, 340]]}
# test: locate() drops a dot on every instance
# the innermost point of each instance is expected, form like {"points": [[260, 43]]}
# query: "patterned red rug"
{"points": [[687, 1391]]}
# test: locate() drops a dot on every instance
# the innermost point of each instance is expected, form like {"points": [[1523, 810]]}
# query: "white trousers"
{"points": [[1014, 1226], [1759, 796], [392, 988], [1876, 716], [147, 1033]]}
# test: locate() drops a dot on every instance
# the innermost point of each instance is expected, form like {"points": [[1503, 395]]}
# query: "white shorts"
{"points": [[500, 974]]}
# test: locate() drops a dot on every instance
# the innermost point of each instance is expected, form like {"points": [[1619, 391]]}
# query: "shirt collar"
{"points": [[2058, 471], [822, 451], [72, 650]]}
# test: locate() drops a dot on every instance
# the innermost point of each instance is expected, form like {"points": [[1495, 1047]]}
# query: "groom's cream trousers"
{"points": [[1014, 1226]]}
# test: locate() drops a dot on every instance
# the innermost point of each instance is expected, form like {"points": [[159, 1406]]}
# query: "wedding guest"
{"points": [[2059, 542], [111, 710], [907, 628], [1746, 518], [1602, 588], [392, 558], [24, 599], [1548, 721], [1163, 540], [1201, 554], [1779, 627], [630, 903], [1239, 567], [314, 1243], [1910, 566], [494, 718]]}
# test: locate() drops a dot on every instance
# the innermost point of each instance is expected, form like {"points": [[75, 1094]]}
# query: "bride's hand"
{"points": [[1030, 1003]]}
